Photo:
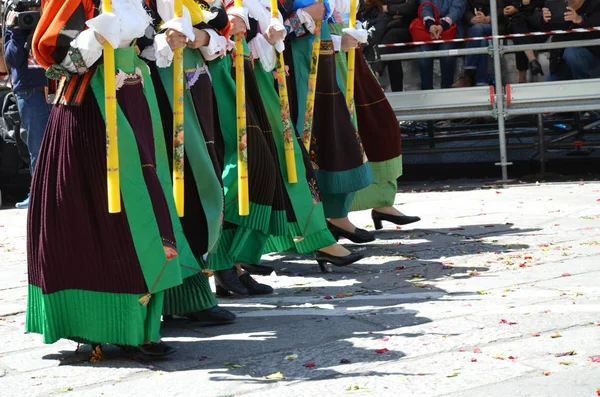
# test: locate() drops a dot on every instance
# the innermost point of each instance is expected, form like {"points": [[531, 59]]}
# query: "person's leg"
{"points": [[580, 62], [426, 69], [447, 65], [396, 35], [34, 113], [522, 66]]}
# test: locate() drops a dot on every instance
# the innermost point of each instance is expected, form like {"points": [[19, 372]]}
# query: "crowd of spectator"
{"points": [[402, 21]]}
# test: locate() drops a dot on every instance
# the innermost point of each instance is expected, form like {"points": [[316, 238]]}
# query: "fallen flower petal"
{"points": [[473, 360], [477, 350], [452, 375], [512, 358], [569, 353], [535, 335], [329, 297], [556, 335], [275, 376], [595, 359], [291, 357], [309, 364], [547, 373], [565, 362], [380, 351], [566, 274], [400, 267]]}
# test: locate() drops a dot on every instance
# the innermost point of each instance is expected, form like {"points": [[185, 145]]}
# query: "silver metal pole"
{"points": [[541, 144], [458, 114], [550, 46], [582, 107], [499, 102], [433, 54]]}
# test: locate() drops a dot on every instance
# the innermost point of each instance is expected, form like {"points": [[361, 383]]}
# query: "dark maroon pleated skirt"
{"points": [[72, 240]]}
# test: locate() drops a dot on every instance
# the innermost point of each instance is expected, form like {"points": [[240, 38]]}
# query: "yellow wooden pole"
{"points": [[112, 144], [288, 133], [240, 101], [312, 86], [178, 133], [351, 63]]}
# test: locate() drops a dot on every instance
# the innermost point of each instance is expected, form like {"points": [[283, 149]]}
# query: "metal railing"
{"points": [[585, 97]]}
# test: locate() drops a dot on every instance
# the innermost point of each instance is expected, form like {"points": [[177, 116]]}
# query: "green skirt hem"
{"points": [[193, 295], [341, 182], [308, 244], [388, 170], [99, 317]]}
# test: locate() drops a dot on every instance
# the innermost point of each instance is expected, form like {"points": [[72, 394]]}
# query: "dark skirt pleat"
{"points": [[377, 125], [73, 242], [194, 223]]}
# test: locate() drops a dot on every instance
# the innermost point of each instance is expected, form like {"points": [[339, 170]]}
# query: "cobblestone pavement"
{"points": [[494, 293]]}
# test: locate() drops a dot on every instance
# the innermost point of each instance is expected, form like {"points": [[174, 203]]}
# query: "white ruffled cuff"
{"points": [[217, 46], [240, 12], [278, 26], [182, 25], [162, 51], [260, 48], [360, 35], [89, 48], [337, 42], [306, 20], [108, 26]]}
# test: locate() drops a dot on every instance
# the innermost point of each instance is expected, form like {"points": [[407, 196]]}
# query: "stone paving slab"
{"points": [[489, 268]]}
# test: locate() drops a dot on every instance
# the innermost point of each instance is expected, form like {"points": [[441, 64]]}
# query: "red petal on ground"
{"points": [[598, 392], [522, 265], [461, 350], [535, 335], [328, 297], [528, 257], [488, 226], [473, 360], [503, 321], [546, 373], [498, 192], [380, 351], [595, 359], [477, 350], [566, 274], [400, 267], [512, 358], [386, 339], [309, 365], [509, 224]]}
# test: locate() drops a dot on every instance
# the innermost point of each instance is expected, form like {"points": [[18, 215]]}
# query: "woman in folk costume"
{"points": [[203, 188], [377, 125], [99, 277], [243, 237], [336, 150], [307, 230]]}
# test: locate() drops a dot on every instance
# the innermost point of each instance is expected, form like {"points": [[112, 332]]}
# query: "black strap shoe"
{"points": [[254, 286], [229, 280], [360, 236], [216, 315]]}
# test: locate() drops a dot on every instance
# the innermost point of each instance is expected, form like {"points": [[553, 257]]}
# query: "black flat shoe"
{"points": [[535, 68], [156, 350], [254, 286], [229, 281], [360, 236], [258, 270], [323, 259], [216, 315], [378, 217]]}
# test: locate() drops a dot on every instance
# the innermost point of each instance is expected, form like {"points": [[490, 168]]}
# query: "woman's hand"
{"points": [[436, 31], [201, 39], [100, 38], [175, 39], [348, 42], [572, 16], [546, 14], [273, 35], [237, 25], [316, 11], [510, 10]]}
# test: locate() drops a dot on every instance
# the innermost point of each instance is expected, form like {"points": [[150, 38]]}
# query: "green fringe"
{"points": [[99, 317], [348, 181]]}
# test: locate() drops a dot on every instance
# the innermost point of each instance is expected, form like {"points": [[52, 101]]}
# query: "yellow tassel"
{"points": [[208, 272], [145, 299], [97, 355], [298, 239]]}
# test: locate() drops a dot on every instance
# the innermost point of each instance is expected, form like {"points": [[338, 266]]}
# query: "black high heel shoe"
{"points": [[378, 217], [323, 259], [360, 236], [254, 286], [535, 68]]}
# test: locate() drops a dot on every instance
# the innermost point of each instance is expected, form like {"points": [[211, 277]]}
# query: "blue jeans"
{"points": [[479, 62], [447, 66], [34, 112], [578, 63]]}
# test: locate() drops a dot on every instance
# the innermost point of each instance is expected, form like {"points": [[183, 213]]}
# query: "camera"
{"points": [[24, 17]]}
